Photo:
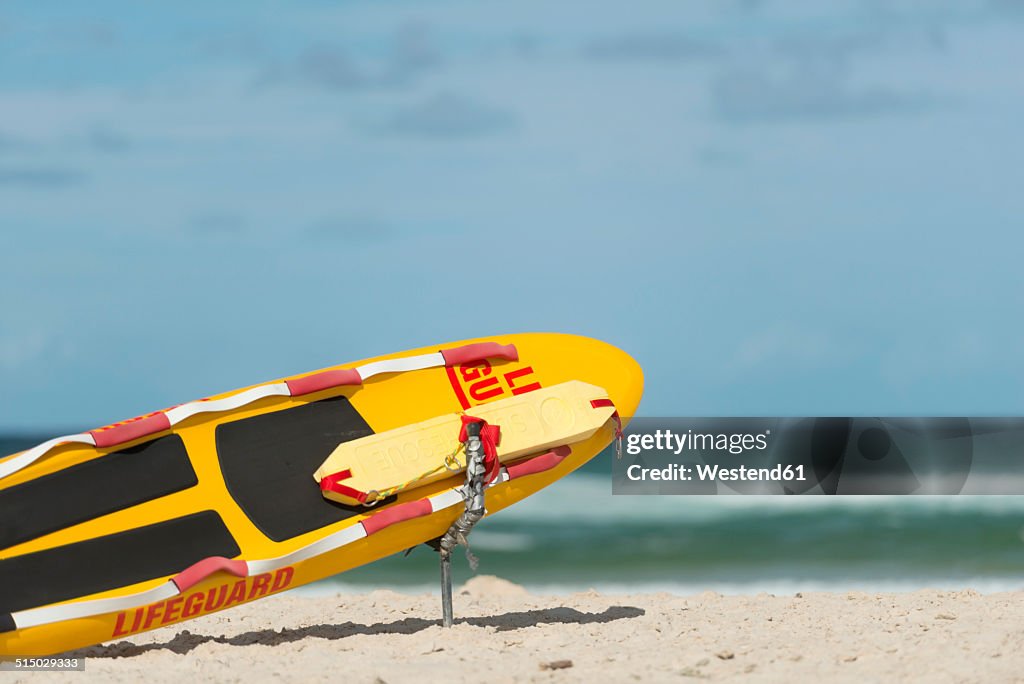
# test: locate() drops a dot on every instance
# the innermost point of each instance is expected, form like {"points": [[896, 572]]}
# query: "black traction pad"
{"points": [[268, 463], [97, 487], [115, 560]]}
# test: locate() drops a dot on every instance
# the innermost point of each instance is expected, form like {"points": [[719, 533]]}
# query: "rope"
{"points": [[451, 464]]}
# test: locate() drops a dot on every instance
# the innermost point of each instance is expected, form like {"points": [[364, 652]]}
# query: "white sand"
{"points": [[504, 634]]}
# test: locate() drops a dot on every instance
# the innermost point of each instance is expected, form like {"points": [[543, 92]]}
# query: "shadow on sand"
{"points": [[185, 641]]}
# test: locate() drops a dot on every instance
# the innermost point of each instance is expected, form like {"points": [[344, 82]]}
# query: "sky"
{"points": [[778, 208]]}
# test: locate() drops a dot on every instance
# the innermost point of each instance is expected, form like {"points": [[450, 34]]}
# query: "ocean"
{"points": [[575, 536]]}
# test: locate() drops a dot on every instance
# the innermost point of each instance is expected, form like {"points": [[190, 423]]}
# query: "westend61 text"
{"points": [[716, 473]]}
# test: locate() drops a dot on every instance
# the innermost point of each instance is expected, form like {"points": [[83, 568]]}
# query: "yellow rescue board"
{"points": [[416, 455], [240, 495]]}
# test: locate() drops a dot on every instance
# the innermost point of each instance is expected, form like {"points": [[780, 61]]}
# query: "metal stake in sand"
{"points": [[446, 589], [458, 533]]}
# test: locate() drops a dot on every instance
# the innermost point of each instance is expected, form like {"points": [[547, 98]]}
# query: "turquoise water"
{"points": [[576, 535]]}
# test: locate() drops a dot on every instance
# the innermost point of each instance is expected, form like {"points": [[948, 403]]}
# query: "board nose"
{"points": [[624, 380], [609, 367]]}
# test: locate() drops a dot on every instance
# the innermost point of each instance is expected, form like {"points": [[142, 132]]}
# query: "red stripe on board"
{"points": [[131, 430], [601, 403], [323, 380], [481, 351], [396, 514], [538, 464], [331, 483], [199, 571]]}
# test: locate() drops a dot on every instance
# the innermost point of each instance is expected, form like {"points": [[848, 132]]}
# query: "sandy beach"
{"points": [[505, 634]]}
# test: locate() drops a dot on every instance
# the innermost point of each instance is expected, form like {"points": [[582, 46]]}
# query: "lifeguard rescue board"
{"points": [[207, 505]]}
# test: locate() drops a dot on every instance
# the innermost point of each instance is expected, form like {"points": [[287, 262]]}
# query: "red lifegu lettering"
{"points": [[478, 383], [198, 602]]}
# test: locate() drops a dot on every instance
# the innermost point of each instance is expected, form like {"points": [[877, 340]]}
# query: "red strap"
{"points": [[331, 483], [133, 429], [481, 351], [323, 380], [200, 570], [538, 464], [490, 435], [396, 514]]}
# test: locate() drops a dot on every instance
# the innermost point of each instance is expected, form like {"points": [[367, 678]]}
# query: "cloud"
{"points": [[805, 93], [353, 232], [54, 178], [217, 224], [821, 47], [807, 75], [749, 5], [414, 49], [332, 66], [716, 154], [106, 140], [99, 137], [10, 143], [325, 66], [966, 353], [839, 47], [88, 33], [447, 115], [235, 44], [783, 346], [650, 46], [1009, 7], [20, 348]]}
